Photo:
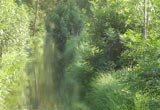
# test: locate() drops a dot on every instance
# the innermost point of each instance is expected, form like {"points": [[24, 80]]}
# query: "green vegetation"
{"points": [[79, 55]]}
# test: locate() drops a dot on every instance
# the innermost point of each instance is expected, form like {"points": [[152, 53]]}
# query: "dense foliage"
{"points": [[14, 27], [79, 55]]}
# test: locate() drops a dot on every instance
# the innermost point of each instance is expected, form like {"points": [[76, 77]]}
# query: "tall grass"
{"points": [[107, 94]]}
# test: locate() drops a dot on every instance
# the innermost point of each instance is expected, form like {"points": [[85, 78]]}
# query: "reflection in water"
{"points": [[49, 89]]}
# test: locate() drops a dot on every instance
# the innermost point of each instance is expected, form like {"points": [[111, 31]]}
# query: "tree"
{"points": [[106, 26], [14, 26]]}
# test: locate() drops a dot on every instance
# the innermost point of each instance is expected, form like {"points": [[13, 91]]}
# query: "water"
{"points": [[47, 88]]}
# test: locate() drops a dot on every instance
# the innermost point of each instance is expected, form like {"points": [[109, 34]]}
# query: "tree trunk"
{"points": [[35, 18], [35, 76], [145, 20]]}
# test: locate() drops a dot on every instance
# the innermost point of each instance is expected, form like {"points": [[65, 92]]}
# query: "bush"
{"points": [[108, 94], [12, 82], [140, 81]]}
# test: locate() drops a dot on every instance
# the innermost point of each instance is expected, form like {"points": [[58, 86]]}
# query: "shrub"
{"points": [[108, 94]]}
